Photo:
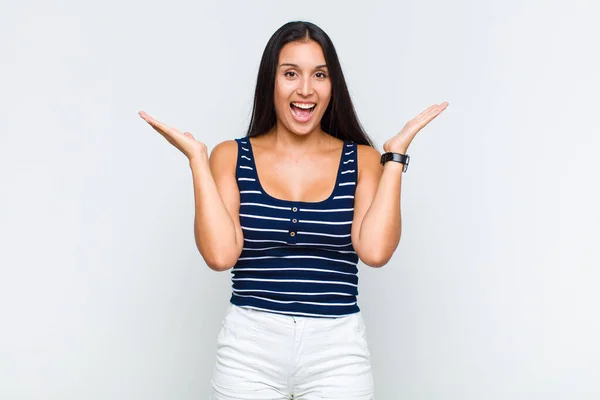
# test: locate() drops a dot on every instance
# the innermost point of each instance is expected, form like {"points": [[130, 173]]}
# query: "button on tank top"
{"points": [[297, 257]]}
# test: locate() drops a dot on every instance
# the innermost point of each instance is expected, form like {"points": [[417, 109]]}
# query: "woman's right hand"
{"points": [[185, 142]]}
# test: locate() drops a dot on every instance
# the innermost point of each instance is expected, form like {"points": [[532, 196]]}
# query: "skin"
{"points": [[298, 161]]}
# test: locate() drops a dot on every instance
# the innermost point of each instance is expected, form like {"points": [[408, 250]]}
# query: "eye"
{"points": [[321, 75], [289, 74]]}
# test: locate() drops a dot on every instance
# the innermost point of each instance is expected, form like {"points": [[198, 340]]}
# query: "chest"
{"points": [[311, 179]]}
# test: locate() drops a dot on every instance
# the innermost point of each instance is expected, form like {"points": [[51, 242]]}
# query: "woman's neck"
{"points": [[284, 141]]}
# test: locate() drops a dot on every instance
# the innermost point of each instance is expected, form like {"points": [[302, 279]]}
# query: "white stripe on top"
{"points": [[322, 234], [324, 244], [327, 210], [262, 217], [284, 247], [264, 230], [296, 281], [294, 293], [266, 205], [266, 269], [308, 257], [305, 221], [264, 241]]}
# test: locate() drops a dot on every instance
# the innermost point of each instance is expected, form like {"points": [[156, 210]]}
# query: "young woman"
{"points": [[292, 207]]}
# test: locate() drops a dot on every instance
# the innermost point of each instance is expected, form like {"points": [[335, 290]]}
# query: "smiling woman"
{"points": [[296, 275], [291, 208], [302, 86]]}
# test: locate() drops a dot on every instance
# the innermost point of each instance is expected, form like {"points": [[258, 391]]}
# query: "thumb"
{"points": [[188, 135]]}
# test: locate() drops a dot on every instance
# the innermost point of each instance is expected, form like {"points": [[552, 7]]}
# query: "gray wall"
{"points": [[492, 293]]}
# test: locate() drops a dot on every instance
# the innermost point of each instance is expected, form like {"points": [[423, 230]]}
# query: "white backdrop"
{"points": [[492, 293]]}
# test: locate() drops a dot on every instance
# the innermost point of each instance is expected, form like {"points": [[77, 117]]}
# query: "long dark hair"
{"points": [[339, 119]]}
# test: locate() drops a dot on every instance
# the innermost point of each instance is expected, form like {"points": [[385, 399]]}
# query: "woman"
{"points": [[266, 208]]}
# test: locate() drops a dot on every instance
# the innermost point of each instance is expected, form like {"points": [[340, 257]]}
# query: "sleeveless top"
{"points": [[297, 257]]}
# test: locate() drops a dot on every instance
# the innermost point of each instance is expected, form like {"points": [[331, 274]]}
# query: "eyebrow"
{"points": [[296, 65]]}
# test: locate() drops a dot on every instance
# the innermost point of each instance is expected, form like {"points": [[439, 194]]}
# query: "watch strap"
{"points": [[397, 157]]}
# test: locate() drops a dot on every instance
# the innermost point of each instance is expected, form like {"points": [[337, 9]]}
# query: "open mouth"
{"points": [[302, 111]]}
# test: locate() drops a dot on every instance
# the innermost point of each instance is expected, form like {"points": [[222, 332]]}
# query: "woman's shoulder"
{"points": [[224, 153], [225, 147], [368, 160], [367, 153]]}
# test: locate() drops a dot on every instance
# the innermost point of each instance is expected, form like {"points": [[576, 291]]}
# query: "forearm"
{"points": [[214, 230], [382, 224]]}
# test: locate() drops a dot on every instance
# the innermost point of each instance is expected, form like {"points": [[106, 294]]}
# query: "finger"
{"points": [[426, 119], [426, 111], [432, 112], [146, 117], [156, 123], [159, 126], [434, 107]]}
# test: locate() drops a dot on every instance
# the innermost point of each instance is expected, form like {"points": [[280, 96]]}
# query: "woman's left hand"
{"points": [[400, 142]]}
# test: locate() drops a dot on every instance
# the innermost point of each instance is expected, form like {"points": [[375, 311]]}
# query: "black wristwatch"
{"points": [[401, 158]]}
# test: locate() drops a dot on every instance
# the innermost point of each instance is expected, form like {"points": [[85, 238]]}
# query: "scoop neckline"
{"points": [[264, 192]]}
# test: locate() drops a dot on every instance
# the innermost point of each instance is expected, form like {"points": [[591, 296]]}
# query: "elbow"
{"points": [[219, 256], [375, 260], [219, 260], [219, 266], [377, 255]]}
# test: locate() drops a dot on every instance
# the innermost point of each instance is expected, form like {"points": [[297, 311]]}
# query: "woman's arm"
{"points": [[377, 223], [217, 229]]}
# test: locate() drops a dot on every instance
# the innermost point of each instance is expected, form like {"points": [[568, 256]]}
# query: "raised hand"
{"points": [[400, 142], [185, 142]]}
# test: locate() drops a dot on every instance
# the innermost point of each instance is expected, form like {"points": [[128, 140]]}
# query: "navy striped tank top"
{"points": [[297, 257]]}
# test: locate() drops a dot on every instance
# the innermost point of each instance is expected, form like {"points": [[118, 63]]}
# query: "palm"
{"points": [[400, 142], [185, 142]]}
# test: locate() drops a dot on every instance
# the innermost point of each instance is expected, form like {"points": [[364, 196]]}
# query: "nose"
{"points": [[304, 87]]}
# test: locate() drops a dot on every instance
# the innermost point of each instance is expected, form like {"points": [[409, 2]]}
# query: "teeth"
{"points": [[304, 106]]}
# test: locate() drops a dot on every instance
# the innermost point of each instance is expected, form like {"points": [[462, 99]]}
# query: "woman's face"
{"points": [[302, 87]]}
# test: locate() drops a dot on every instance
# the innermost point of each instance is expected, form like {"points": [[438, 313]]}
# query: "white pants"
{"points": [[267, 356]]}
